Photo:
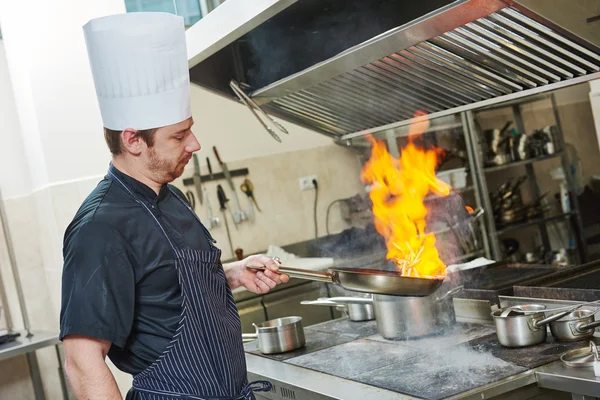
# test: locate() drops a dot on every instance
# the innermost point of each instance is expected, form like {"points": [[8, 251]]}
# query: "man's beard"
{"points": [[163, 170]]}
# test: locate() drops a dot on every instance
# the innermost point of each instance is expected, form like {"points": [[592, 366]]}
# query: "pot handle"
{"points": [[555, 317], [321, 302], [299, 273], [249, 337], [349, 300], [449, 293], [581, 328]]}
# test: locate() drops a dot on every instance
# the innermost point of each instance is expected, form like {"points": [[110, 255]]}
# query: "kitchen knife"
{"points": [[239, 215], [197, 179], [223, 203], [210, 175]]}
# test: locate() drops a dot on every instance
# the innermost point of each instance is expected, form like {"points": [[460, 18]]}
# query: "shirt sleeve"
{"points": [[98, 284]]}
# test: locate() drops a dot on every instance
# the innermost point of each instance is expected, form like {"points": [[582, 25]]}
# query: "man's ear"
{"points": [[132, 141]]}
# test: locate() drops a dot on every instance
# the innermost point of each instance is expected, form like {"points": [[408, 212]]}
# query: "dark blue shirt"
{"points": [[119, 280]]}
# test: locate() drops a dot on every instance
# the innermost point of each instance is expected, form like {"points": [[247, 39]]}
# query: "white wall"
{"points": [[15, 181], [54, 92]]}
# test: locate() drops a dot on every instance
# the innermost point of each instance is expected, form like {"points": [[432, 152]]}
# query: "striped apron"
{"points": [[205, 358]]}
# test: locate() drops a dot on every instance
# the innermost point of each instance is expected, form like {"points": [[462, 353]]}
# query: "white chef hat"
{"points": [[140, 70]]}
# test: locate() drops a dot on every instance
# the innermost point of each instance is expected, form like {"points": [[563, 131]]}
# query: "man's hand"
{"points": [[253, 280]]}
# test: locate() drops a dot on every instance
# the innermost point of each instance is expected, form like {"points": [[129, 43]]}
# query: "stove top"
{"points": [[581, 283], [490, 281], [463, 358]]}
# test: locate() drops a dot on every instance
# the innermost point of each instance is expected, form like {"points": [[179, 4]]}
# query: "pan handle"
{"points": [[581, 328], [348, 300], [554, 317], [321, 302], [300, 273]]}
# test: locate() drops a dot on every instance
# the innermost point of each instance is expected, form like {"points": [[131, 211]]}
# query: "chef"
{"points": [[142, 278]]}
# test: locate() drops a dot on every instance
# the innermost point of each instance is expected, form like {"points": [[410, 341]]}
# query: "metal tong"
{"points": [[252, 106]]}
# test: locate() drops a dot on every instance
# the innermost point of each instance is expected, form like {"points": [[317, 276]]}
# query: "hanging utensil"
{"points": [[212, 219], [223, 203], [196, 178], [245, 189], [367, 280], [210, 174], [250, 192], [248, 102], [239, 215]]}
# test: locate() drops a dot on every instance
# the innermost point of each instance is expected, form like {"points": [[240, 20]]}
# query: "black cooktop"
{"points": [[580, 283]]}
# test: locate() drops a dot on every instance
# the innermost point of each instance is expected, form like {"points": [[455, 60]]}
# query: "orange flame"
{"points": [[398, 187]]}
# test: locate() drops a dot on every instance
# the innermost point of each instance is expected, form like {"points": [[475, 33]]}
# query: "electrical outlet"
{"points": [[306, 182]]}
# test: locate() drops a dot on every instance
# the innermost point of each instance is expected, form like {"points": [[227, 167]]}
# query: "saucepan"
{"points": [[524, 325], [357, 309], [578, 325], [278, 335], [367, 280]]}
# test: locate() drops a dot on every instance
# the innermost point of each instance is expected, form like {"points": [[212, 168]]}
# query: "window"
{"points": [[188, 9]]}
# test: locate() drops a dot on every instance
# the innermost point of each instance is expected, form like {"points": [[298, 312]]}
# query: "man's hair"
{"points": [[113, 139]]}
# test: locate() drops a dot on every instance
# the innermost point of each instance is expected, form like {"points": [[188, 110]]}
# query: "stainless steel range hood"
{"points": [[345, 67]]}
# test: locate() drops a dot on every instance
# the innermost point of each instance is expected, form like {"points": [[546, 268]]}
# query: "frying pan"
{"points": [[367, 280]]}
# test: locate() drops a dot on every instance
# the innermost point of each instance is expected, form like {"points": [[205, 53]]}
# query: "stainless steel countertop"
{"points": [[310, 384], [557, 376], [24, 345]]}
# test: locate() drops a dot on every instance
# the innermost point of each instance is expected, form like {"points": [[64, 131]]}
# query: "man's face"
{"points": [[172, 150]]}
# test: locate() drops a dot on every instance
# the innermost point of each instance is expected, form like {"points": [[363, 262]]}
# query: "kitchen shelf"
{"points": [[532, 222], [481, 180], [522, 162]]}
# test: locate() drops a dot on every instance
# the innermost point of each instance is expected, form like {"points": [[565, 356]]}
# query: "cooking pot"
{"points": [[575, 326], [352, 306], [402, 318], [525, 325], [278, 335]]}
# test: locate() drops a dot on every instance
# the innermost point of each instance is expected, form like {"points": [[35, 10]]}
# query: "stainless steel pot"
{"points": [[278, 335], [356, 308], [402, 318], [521, 329], [577, 325]]}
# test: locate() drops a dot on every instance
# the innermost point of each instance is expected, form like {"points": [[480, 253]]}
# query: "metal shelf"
{"points": [[532, 222], [523, 162]]}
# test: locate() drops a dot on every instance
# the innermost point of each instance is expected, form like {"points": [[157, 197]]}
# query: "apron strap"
{"points": [[255, 386], [112, 175]]}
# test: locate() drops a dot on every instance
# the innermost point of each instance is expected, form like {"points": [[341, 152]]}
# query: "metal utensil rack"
{"points": [[481, 171]]}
